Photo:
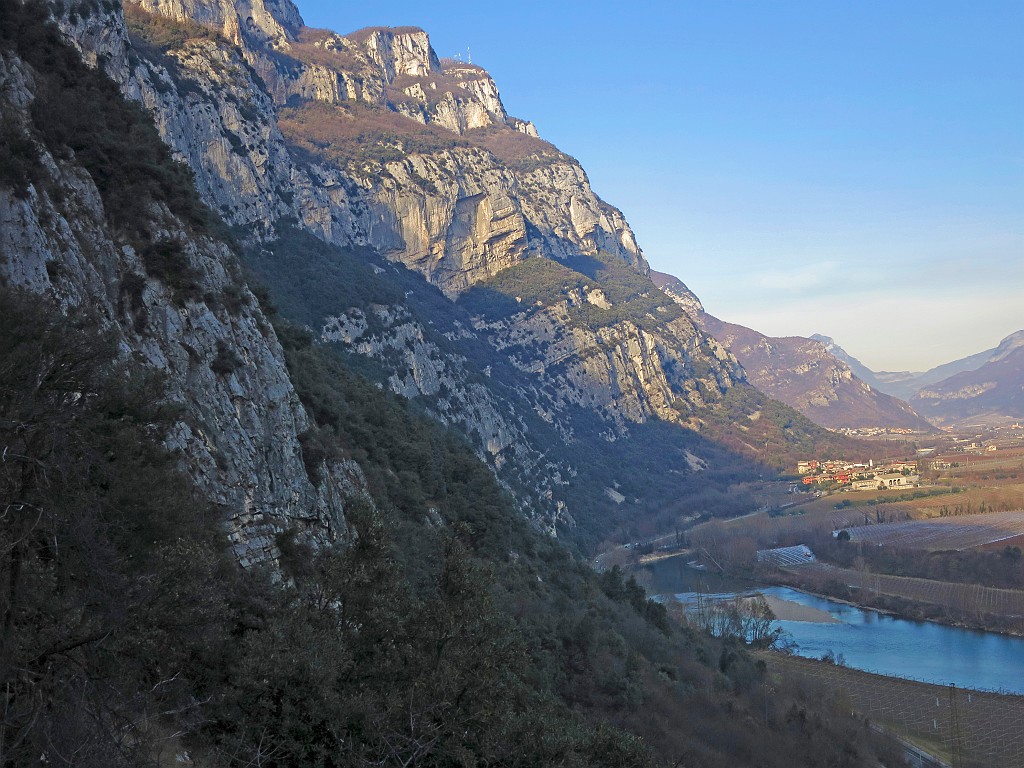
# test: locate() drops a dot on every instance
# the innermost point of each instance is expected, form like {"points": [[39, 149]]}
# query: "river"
{"points": [[871, 641]]}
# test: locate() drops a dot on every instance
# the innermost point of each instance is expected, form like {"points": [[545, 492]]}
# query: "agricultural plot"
{"points": [[786, 557], [944, 532], [966, 728], [971, 599]]}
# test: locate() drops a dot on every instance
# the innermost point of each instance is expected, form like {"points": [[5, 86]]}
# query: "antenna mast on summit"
{"points": [[469, 55]]}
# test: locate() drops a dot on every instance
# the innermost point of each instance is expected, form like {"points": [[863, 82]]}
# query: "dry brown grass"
{"points": [[361, 35], [306, 50], [514, 148], [163, 33], [352, 134]]}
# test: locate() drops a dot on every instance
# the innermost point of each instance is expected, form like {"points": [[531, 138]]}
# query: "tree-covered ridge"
{"points": [[746, 420]]}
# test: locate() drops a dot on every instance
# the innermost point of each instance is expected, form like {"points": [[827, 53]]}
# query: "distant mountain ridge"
{"points": [[995, 390], [860, 370], [984, 386], [905, 384], [814, 375]]}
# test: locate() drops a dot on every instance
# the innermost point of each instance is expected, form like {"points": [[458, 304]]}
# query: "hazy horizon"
{"points": [[854, 170]]}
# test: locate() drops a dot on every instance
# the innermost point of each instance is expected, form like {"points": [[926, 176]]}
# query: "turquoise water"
{"points": [[875, 642], [918, 650]]}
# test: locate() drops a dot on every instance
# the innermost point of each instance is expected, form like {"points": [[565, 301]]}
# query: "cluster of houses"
{"points": [[858, 476], [876, 431]]}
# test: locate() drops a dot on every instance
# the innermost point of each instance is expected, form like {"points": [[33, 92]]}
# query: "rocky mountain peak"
{"points": [[275, 23], [398, 51], [1008, 346]]}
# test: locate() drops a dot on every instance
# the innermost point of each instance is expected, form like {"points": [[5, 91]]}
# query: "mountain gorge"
{"points": [[315, 305]]}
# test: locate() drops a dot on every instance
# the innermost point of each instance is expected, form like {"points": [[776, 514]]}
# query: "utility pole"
{"points": [[956, 747]]}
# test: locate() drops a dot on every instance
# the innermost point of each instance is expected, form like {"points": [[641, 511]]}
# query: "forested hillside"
{"points": [[221, 544]]}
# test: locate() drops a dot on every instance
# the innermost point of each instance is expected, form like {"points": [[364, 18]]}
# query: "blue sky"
{"points": [[852, 168]]}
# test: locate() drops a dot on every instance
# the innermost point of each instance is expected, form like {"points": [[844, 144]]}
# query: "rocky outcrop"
{"points": [[627, 372], [569, 219], [676, 290], [421, 369], [254, 22], [464, 226], [203, 333]]}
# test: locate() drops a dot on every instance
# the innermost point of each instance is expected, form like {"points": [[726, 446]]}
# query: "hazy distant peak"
{"points": [[860, 370], [1007, 346], [905, 384]]}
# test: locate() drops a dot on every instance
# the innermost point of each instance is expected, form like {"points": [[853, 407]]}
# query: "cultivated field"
{"points": [[969, 599], [989, 732], [943, 533], [975, 517]]}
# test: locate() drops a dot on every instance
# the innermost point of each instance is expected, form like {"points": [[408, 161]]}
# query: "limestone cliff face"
{"points": [[369, 140], [420, 368], [249, 21], [627, 372], [463, 226], [569, 218], [238, 437], [676, 290], [455, 209]]}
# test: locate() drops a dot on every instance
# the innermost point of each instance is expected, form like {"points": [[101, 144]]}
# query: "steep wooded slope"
{"points": [[94, 214]]}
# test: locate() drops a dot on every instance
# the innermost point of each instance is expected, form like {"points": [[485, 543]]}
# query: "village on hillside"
{"points": [[859, 476]]}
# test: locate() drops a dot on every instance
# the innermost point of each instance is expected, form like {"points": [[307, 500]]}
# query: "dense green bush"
{"points": [[78, 112], [107, 550], [538, 283]]}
